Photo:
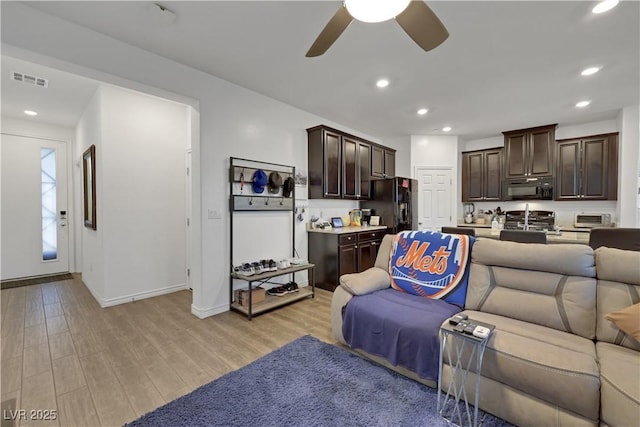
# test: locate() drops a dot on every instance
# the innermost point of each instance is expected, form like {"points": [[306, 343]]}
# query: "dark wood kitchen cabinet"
{"points": [[587, 168], [340, 165], [482, 175], [383, 162], [337, 254], [325, 164], [356, 169], [529, 152]]}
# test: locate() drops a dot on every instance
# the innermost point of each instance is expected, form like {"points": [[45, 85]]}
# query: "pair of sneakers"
{"points": [[283, 290]]}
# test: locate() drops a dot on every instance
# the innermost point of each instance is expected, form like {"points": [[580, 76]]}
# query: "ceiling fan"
{"points": [[415, 18]]}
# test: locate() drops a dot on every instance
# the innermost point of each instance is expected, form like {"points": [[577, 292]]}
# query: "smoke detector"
{"points": [[29, 79]]}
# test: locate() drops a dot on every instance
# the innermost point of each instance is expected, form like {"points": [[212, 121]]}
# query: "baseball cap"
{"points": [[259, 181]]}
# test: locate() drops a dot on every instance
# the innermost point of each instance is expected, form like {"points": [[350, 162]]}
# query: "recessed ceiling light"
{"points": [[382, 83], [30, 113], [582, 104], [604, 6], [446, 128], [422, 111], [590, 71]]}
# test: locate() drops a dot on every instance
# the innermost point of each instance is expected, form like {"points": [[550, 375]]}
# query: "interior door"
{"points": [[35, 237], [435, 189]]}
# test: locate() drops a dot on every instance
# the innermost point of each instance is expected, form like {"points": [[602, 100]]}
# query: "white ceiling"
{"points": [[61, 103], [506, 65]]}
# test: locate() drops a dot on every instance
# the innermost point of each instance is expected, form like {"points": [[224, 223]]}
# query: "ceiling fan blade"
{"points": [[422, 25], [330, 32]]}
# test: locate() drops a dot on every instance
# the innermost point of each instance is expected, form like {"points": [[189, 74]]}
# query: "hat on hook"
{"points": [[287, 187], [259, 181], [275, 182]]}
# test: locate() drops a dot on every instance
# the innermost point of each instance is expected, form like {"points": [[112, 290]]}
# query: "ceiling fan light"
{"points": [[375, 10], [604, 6]]}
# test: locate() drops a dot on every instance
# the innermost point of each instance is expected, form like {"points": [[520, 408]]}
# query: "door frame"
{"points": [[71, 214], [453, 184]]}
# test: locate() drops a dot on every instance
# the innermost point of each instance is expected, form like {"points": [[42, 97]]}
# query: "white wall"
{"points": [[91, 245], [402, 145], [143, 194], [628, 208], [139, 247], [233, 122]]}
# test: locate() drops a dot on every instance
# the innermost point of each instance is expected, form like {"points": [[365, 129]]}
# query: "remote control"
{"points": [[481, 332], [457, 319], [460, 326], [469, 328]]}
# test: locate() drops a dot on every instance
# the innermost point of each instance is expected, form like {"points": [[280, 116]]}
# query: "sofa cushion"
{"points": [[508, 278], [543, 362], [620, 384], [384, 252], [565, 259], [370, 280], [616, 265], [618, 288]]}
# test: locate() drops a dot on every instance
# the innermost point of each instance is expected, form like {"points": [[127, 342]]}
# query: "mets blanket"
{"points": [[431, 264]]}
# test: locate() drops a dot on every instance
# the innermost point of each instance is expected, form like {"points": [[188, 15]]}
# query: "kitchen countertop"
{"points": [[348, 229], [563, 237], [571, 229]]}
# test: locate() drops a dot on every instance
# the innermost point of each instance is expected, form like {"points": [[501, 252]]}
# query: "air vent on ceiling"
{"points": [[29, 79]]}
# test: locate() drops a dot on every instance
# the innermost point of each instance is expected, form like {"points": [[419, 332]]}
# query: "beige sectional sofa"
{"points": [[553, 358]]}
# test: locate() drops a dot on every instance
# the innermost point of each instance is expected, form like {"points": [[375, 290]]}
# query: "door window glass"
{"points": [[49, 216]]}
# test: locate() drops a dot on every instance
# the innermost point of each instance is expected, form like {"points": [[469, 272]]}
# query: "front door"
{"points": [[434, 198], [35, 238]]}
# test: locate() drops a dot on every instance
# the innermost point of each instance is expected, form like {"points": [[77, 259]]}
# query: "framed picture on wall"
{"points": [[89, 186]]}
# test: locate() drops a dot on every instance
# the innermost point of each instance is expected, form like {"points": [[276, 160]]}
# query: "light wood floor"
{"points": [[94, 366]]}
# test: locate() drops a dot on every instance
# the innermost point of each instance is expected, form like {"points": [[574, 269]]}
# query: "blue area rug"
{"points": [[307, 383]]}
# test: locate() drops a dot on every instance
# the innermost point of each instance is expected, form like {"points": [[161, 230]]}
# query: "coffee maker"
{"points": [[366, 216]]}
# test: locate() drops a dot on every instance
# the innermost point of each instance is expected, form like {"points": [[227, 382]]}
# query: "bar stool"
{"points": [[523, 236], [459, 230], [620, 238]]}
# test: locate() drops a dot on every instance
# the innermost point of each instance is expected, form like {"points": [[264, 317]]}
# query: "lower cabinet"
{"points": [[337, 254]]}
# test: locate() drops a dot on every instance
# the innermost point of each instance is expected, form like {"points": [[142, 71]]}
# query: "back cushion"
{"points": [[550, 285], [618, 288]]}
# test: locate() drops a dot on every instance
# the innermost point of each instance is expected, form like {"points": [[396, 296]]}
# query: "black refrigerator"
{"points": [[395, 200]]}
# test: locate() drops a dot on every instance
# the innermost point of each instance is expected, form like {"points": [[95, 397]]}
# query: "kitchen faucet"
{"points": [[526, 217]]}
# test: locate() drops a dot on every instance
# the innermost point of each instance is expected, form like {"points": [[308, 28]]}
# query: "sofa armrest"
{"points": [[366, 281]]}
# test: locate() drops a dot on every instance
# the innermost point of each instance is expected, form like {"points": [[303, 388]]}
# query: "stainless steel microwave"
{"points": [[528, 189]]}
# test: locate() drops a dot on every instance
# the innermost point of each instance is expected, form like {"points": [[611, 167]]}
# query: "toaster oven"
{"points": [[591, 220]]}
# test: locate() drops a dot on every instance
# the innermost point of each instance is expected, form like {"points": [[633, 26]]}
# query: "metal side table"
{"points": [[461, 343]]}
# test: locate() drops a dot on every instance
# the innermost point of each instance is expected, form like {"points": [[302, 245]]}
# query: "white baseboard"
{"points": [[140, 295], [202, 313]]}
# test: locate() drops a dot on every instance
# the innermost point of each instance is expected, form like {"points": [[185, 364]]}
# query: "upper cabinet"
{"points": [[383, 162], [529, 152], [587, 168], [356, 169], [482, 175], [325, 164], [341, 165]]}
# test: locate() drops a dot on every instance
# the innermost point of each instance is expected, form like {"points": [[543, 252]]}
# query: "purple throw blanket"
{"points": [[400, 327]]}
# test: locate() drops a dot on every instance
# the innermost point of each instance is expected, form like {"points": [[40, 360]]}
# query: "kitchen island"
{"points": [[567, 235]]}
